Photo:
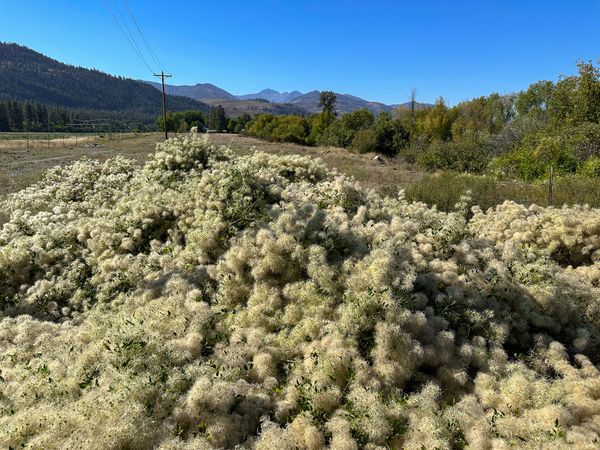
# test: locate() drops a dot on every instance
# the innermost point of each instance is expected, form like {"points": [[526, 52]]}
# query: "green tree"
{"points": [[29, 117], [4, 122], [318, 124], [341, 132], [390, 135], [244, 120], [365, 141], [327, 101], [436, 123], [535, 100], [280, 128], [358, 120], [586, 101], [217, 119], [15, 116], [184, 127], [231, 124], [41, 116], [484, 114], [576, 99]]}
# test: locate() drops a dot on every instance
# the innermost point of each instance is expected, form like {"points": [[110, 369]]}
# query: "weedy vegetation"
{"points": [[207, 300]]}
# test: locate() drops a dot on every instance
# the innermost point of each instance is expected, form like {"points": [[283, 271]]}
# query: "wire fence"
{"points": [[49, 140]]}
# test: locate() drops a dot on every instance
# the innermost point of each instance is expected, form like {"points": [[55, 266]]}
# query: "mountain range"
{"points": [[305, 103], [272, 95], [26, 75]]}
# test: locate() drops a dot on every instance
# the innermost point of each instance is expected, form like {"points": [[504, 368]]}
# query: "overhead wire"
{"points": [[133, 39], [131, 42], [148, 47]]}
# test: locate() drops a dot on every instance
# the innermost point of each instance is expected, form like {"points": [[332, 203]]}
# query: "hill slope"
{"points": [[279, 101], [346, 103], [27, 75], [235, 108], [200, 91]]}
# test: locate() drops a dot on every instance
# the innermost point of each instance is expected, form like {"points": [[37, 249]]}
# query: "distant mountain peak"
{"points": [[272, 95]]}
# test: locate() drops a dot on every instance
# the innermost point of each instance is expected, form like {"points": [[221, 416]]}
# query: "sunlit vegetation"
{"points": [[208, 301], [508, 136]]}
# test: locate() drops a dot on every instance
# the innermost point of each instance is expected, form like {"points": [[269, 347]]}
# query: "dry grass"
{"points": [[389, 175], [52, 143], [20, 167]]}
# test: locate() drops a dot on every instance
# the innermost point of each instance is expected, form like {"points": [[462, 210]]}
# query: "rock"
{"points": [[379, 159]]}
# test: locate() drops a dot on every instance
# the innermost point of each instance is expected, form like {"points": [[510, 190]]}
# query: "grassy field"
{"points": [[22, 164]]}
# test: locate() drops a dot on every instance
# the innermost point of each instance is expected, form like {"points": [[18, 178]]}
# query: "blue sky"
{"points": [[377, 50]]}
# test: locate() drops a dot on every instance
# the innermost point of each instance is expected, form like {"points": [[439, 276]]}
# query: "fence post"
{"points": [[27, 140], [550, 186]]}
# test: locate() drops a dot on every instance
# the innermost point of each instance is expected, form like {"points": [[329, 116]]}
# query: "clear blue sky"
{"points": [[374, 49]]}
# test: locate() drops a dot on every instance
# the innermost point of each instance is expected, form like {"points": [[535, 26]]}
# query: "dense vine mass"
{"points": [[212, 301]]}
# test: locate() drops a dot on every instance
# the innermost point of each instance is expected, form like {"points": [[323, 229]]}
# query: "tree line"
{"points": [[216, 119], [517, 135], [35, 117]]}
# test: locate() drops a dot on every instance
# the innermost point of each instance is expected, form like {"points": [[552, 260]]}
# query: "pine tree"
{"points": [[15, 116], [4, 122], [29, 117], [327, 101], [41, 114], [217, 120]]}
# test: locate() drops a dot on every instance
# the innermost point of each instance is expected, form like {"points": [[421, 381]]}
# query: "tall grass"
{"points": [[444, 190]]}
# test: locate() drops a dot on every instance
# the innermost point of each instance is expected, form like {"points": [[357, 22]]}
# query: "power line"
{"points": [[139, 51], [133, 45], [152, 53]]}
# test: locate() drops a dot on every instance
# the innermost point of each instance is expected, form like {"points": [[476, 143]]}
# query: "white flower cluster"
{"points": [[211, 301]]}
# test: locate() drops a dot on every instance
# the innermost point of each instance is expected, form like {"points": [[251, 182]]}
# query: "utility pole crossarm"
{"points": [[162, 76]]}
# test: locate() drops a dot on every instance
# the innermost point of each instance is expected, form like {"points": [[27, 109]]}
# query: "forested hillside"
{"points": [[26, 75], [200, 91]]}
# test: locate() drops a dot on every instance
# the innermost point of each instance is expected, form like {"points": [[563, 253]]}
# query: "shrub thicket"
{"points": [[444, 190], [533, 164], [520, 135], [280, 128]]}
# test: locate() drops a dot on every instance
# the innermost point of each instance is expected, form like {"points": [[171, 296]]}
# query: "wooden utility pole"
{"points": [[162, 77]]}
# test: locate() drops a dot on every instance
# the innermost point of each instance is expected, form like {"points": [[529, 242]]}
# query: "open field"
{"points": [[386, 175], [34, 140], [21, 166]]}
